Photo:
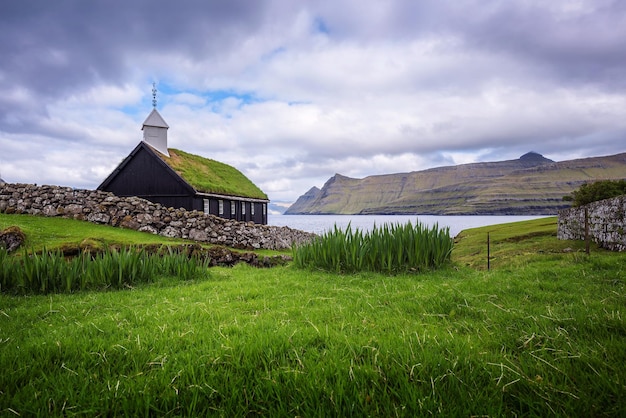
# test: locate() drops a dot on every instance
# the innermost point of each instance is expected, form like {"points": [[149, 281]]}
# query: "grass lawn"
{"points": [[53, 233], [541, 333], [514, 243]]}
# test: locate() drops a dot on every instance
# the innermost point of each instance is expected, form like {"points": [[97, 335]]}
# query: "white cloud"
{"points": [[293, 92]]}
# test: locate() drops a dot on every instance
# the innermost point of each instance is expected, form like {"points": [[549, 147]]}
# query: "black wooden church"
{"points": [[177, 179]]}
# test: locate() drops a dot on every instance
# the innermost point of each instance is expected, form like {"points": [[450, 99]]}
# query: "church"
{"points": [[178, 179]]}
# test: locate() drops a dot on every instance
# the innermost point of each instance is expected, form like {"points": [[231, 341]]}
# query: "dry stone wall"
{"points": [[607, 223], [141, 215]]}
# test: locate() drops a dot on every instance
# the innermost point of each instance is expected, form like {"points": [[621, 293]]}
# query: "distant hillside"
{"points": [[276, 207], [530, 185]]}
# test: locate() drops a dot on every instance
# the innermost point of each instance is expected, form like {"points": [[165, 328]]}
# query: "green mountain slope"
{"points": [[531, 184]]}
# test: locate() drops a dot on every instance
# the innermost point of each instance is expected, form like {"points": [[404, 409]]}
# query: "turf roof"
{"points": [[210, 176]]}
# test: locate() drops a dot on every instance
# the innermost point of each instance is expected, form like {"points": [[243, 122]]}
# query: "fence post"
{"points": [[587, 238], [488, 253]]}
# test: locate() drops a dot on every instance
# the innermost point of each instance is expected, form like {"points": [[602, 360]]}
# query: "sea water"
{"points": [[321, 223]]}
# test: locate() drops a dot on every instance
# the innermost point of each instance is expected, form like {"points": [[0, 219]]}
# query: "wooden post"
{"points": [[587, 237], [488, 253]]}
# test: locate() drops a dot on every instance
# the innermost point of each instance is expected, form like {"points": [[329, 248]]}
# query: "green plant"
{"points": [[49, 271], [281, 342], [598, 190], [544, 335], [391, 248], [182, 266]]}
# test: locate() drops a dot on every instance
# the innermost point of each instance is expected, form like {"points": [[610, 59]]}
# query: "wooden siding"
{"points": [[142, 174]]}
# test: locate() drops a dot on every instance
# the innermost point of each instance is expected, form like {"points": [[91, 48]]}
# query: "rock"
{"points": [[129, 222], [12, 238], [605, 223], [148, 228], [74, 209], [171, 232], [98, 217], [139, 214], [49, 210], [198, 235]]}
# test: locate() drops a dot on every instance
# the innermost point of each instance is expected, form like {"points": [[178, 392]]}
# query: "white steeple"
{"points": [[155, 129]]}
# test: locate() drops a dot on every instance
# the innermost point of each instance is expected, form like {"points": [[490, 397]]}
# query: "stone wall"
{"points": [[607, 223], [141, 215]]}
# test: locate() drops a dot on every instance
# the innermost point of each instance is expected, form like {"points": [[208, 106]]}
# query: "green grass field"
{"points": [[54, 233], [540, 334]]}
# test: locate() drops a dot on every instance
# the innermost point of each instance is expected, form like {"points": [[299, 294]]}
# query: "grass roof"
{"points": [[210, 176]]}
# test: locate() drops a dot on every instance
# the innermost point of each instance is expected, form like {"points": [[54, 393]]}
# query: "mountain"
{"points": [[301, 205], [530, 185], [277, 207]]}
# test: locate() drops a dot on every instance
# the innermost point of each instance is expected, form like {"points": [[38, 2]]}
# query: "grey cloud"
{"points": [[582, 47], [55, 45], [430, 78], [53, 49]]}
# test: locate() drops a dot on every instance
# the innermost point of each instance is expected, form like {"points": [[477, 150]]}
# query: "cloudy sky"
{"points": [[291, 91]]}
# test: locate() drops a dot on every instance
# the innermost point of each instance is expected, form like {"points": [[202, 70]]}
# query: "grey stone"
{"points": [[135, 213]]}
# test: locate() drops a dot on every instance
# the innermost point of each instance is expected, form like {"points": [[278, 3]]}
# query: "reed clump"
{"points": [[51, 272], [390, 248]]}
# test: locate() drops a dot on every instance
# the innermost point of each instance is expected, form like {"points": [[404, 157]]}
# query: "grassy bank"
{"points": [[55, 233], [542, 334], [514, 244]]}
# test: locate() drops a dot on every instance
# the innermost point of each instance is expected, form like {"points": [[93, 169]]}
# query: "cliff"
{"points": [[530, 185]]}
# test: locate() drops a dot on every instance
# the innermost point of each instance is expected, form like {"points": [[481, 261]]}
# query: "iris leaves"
{"points": [[391, 248]]}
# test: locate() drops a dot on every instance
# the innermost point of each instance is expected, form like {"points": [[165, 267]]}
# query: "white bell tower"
{"points": [[155, 129]]}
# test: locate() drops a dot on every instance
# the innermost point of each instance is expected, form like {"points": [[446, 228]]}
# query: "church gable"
{"points": [[142, 173]]}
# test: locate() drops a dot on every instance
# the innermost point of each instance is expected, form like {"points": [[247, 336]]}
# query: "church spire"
{"points": [[154, 92], [155, 128]]}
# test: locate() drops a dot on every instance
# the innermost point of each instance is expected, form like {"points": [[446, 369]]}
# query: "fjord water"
{"points": [[320, 223]]}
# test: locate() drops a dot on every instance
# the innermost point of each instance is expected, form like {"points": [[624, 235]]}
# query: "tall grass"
{"points": [[391, 248], [51, 272], [546, 339]]}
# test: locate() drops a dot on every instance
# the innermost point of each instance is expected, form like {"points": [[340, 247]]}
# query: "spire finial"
{"points": [[154, 92]]}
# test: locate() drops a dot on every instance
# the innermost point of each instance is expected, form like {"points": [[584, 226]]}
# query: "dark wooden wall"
{"points": [[144, 174]]}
